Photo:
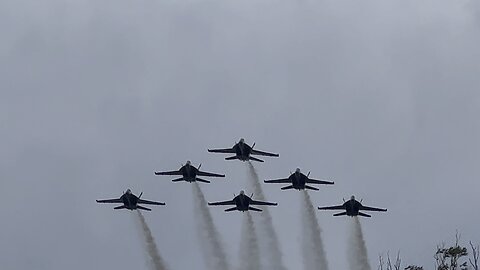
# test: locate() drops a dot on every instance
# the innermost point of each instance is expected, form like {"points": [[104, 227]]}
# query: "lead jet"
{"points": [[243, 152], [299, 181], [242, 203], [353, 208], [130, 201], [189, 173]]}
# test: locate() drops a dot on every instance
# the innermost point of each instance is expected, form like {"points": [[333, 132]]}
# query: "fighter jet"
{"points": [[299, 181], [243, 152], [130, 201], [353, 208], [242, 203], [189, 173]]}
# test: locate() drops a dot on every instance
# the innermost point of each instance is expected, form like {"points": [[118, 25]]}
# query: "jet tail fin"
{"points": [[254, 158], [254, 209], [287, 187], [120, 207], [231, 158], [340, 214], [178, 179], [312, 188], [202, 180], [144, 208], [363, 214], [231, 209]]}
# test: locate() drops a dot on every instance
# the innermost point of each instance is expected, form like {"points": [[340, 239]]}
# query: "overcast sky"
{"points": [[380, 96]]}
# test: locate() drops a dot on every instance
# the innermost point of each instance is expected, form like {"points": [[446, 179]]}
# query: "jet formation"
{"points": [[242, 151]]}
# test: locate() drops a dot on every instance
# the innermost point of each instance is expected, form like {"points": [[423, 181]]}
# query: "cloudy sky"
{"points": [[380, 96]]}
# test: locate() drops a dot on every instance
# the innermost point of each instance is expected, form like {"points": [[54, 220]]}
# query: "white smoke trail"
{"points": [[357, 250], [274, 260], [313, 252], [156, 262], [249, 250], [211, 243]]}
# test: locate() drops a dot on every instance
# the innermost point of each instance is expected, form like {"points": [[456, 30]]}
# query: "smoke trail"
{"points": [[313, 252], [357, 251], [157, 262], [249, 250], [211, 244], [267, 230]]}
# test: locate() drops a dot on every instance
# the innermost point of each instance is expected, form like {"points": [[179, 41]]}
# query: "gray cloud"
{"points": [[94, 96]]}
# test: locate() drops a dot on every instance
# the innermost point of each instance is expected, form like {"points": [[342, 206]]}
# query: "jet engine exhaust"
{"points": [[249, 250], [156, 261], [212, 247], [314, 256], [357, 250], [267, 231]]}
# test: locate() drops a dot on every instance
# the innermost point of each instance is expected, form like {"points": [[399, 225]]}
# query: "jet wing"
{"points": [[169, 173], [336, 207], [110, 201], [253, 202], [367, 208], [323, 182], [226, 150], [260, 153], [231, 202], [150, 202], [200, 173], [279, 181]]}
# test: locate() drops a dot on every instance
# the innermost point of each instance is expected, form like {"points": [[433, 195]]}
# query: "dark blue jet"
{"points": [[243, 152], [242, 203], [130, 201], [299, 181], [189, 173], [353, 208]]}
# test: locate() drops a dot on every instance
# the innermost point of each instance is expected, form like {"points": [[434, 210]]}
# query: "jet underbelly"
{"points": [[298, 183], [189, 174], [350, 208], [242, 152], [242, 204]]}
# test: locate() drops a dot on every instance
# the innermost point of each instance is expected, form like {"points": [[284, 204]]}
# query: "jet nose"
{"points": [[353, 197], [242, 192], [297, 170]]}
